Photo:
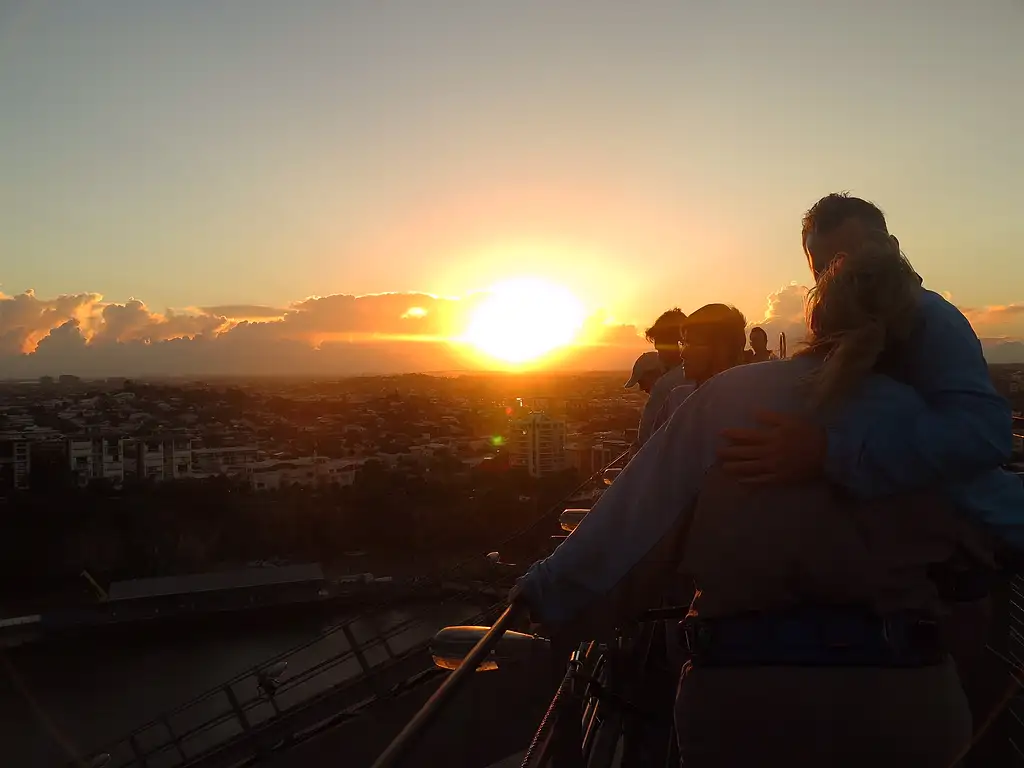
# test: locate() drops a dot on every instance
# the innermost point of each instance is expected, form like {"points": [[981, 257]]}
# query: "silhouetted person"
{"points": [[713, 341], [647, 370], [759, 351], [666, 334]]}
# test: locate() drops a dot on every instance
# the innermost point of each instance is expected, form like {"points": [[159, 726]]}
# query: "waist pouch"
{"points": [[814, 639]]}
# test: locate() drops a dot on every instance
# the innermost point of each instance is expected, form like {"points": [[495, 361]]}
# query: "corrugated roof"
{"points": [[213, 582]]}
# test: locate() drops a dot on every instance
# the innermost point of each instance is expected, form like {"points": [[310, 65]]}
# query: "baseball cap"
{"points": [[647, 363]]}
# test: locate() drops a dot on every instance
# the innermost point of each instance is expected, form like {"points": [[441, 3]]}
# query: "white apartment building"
{"points": [[605, 452], [305, 471], [96, 457], [15, 462], [158, 458], [224, 461], [537, 442]]}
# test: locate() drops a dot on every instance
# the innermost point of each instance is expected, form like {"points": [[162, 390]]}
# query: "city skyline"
{"points": [[221, 166]]}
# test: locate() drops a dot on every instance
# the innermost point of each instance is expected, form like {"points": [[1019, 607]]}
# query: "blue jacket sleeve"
{"points": [[965, 429]]}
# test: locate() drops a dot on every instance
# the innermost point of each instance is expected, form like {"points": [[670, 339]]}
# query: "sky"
{"points": [[178, 179]]}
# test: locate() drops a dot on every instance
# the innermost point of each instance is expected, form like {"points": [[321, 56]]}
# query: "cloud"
{"points": [[381, 314], [244, 311], [339, 334], [785, 314], [132, 321], [996, 315], [25, 318]]}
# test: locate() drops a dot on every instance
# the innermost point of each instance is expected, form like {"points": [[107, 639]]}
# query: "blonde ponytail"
{"points": [[862, 305]]}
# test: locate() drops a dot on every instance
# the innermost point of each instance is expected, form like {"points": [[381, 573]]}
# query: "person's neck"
{"points": [[671, 363], [717, 370]]}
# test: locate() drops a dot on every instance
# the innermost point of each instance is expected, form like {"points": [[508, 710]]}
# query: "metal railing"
{"points": [[239, 706], [580, 747], [284, 686], [409, 735]]}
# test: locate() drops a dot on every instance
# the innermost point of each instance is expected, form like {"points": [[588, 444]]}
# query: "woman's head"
{"points": [[863, 303]]}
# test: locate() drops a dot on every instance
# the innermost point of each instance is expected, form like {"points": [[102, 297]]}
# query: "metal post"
{"points": [[368, 671], [137, 750], [174, 737], [239, 712], [414, 730]]}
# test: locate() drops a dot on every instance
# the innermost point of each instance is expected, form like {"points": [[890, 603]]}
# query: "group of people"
{"points": [[714, 340], [836, 512]]}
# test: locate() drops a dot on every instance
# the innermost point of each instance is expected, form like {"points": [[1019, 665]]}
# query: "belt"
{"points": [[814, 638]]}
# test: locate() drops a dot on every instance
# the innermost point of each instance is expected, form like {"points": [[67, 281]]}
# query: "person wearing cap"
{"points": [[713, 340], [666, 335], [646, 371]]}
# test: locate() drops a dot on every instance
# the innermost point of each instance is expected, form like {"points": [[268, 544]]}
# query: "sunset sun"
{"points": [[524, 319]]}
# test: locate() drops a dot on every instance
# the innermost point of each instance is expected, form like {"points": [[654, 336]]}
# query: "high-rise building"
{"points": [[537, 442]]}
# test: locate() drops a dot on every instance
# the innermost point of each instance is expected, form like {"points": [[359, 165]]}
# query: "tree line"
{"points": [[48, 537]]}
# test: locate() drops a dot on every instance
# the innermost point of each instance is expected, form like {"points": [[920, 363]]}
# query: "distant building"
{"points": [[224, 461], [15, 463], [308, 471], [580, 456], [96, 457], [167, 457], [605, 452], [537, 442]]}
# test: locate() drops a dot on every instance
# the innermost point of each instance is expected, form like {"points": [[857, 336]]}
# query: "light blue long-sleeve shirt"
{"points": [[963, 433], [659, 485], [672, 378]]}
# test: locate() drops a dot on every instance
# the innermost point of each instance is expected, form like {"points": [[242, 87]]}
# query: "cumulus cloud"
{"points": [[785, 314], [244, 311], [339, 334], [25, 318], [1009, 316], [1000, 328], [132, 321]]}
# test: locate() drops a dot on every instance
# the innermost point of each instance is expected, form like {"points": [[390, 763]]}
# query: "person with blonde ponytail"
{"points": [[815, 635], [965, 432], [963, 435]]}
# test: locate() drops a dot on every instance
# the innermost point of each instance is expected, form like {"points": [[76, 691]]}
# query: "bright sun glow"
{"points": [[524, 319]]}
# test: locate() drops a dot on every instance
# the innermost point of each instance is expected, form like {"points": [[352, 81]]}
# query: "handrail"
{"points": [[414, 729], [428, 712]]}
